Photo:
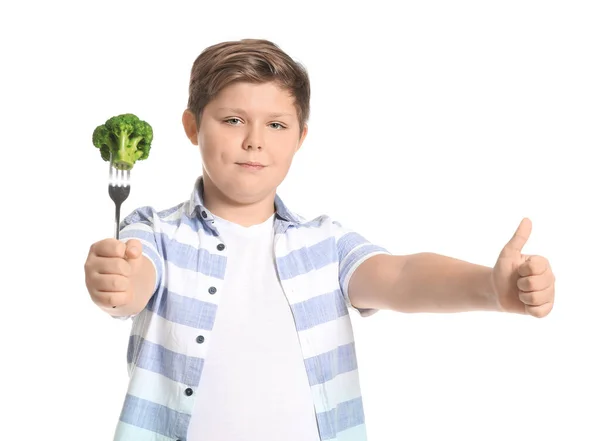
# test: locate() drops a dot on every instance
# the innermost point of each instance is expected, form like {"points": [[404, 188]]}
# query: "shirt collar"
{"points": [[196, 205]]}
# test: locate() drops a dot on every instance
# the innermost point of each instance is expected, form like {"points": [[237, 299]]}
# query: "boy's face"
{"points": [[247, 124]]}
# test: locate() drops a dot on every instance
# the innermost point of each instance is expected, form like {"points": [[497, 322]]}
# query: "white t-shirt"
{"points": [[254, 384]]}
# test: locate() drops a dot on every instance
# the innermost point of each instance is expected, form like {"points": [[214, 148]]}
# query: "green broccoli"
{"points": [[125, 136]]}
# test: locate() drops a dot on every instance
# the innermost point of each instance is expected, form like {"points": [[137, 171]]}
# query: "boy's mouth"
{"points": [[251, 165]]}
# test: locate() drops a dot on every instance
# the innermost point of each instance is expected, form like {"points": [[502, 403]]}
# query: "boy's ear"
{"points": [[302, 137], [189, 124]]}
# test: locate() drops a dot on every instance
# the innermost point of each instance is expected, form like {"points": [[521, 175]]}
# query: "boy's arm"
{"points": [[423, 282], [428, 282]]}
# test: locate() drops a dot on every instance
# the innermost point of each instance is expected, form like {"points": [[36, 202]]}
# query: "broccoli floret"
{"points": [[125, 136]]}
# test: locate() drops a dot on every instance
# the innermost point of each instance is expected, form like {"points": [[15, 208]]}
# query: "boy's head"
{"points": [[248, 103]]}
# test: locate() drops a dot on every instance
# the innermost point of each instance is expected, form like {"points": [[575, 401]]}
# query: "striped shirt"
{"points": [[170, 338]]}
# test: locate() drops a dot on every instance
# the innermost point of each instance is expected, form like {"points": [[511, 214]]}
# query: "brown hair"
{"points": [[248, 60]]}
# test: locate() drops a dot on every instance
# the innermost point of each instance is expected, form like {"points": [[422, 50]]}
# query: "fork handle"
{"points": [[117, 220]]}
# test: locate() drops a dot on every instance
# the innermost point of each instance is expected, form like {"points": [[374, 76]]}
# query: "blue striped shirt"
{"points": [[171, 336]]}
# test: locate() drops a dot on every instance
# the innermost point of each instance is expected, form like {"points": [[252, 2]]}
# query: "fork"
{"points": [[118, 190]]}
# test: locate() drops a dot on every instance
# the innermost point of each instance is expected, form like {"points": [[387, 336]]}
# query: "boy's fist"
{"points": [[110, 269]]}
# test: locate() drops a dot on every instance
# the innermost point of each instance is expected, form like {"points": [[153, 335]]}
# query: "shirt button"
{"points": [[189, 392], [200, 339], [212, 290], [220, 247], [204, 215]]}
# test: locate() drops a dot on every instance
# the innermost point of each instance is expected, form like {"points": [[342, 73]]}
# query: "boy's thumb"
{"points": [[134, 249]]}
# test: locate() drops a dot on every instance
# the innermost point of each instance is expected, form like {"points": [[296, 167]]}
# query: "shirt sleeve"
{"points": [[353, 249], [143, 224]]}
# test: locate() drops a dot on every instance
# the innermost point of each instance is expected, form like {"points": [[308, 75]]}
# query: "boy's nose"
{"points": [[254, 137]]}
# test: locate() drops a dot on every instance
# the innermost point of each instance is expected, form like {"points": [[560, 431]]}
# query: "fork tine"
{"points": [[118, 177], [111, 171]]}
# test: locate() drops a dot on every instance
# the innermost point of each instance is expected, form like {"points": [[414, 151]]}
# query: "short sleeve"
{"points": [[353, 249], [143, 224]]}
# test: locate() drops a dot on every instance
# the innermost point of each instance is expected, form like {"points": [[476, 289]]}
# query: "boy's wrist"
{"points": [[491, 292]]}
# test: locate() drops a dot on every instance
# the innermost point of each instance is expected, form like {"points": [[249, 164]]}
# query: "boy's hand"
{"points": [[109, 271], [523, 283]]}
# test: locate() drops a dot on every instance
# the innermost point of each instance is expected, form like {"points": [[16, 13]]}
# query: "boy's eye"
{"points": [[237, 122]]}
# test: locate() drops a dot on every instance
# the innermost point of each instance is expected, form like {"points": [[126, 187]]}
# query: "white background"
{"points": [[436, 126]]}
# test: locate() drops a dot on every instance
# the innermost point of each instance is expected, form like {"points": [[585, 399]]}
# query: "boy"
{"points": [[241, 328]]}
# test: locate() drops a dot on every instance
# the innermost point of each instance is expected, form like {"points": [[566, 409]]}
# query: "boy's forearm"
{"points": [[429, 282], [143, 283]]}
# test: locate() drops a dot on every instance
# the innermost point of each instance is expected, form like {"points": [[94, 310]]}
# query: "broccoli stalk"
{"points": [[126, 137]]}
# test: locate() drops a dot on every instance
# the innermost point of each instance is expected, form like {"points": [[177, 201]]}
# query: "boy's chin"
{"points": [[247, 190]]}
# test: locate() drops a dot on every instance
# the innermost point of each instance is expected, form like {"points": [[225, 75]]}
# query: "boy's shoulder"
{"points": [[321, 221], [317, 229], [150, 215]]}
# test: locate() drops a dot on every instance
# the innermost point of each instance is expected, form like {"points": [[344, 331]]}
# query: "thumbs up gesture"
{"points": [[523, 283]]}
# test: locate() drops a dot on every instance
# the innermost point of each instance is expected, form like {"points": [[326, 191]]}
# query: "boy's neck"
{"points": [[245, 215]]}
